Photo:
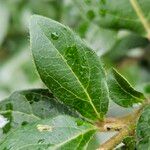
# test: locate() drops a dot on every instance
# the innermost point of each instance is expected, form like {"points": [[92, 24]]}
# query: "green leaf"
{"points": [[116, 14], [129, 143], [61, 133], [143, 130], [25, 107], [121, 92], [70, 69]]}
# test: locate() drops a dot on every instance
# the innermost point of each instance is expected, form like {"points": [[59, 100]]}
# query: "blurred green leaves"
{"points": [[115, 14]]}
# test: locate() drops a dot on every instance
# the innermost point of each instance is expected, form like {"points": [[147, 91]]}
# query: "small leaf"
{"points": [[24, 107], [121, 92], [70, 69], [143, 130], [61, 132]]}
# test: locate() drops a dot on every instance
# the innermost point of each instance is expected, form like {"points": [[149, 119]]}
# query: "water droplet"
{"points": [[90, 14], [40, 141], [54, 35], [102, 12], [79, 122]]}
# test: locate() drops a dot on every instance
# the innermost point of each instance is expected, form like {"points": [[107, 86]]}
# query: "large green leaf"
{"points": [[70, 69], [61, 133], [25, 107], [143, 130], [116, 14], [121, 92]]}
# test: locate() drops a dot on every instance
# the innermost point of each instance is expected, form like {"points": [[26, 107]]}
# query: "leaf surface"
{"points": [[121, 92], [143, 130], [70, 69], [61, 133], [24, 107]]}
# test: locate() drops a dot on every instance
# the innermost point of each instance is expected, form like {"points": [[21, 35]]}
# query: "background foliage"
{"points": [[123, 46]]}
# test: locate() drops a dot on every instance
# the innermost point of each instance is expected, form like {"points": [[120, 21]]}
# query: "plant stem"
{"points": [[129, 123], [140, 14], [112, 142]]}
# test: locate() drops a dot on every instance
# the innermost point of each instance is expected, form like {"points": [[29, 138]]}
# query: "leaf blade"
{"points": [[121, 92], [74, 70], [24, 107], [61, 132]]}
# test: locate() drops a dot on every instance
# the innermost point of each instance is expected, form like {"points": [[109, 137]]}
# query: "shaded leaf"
{"points": [[121, 92], [70, 69], [143, 130], [61, 132], [25, 107]]}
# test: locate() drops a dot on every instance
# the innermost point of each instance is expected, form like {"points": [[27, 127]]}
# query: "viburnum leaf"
{"points": [[121, 92], [28, 106], [69, 68], [61, 133], [143, 130], [116, 14]]}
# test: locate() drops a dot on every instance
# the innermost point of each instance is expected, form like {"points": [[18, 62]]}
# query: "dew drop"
{"points": [[54, 35], [90, 14]]}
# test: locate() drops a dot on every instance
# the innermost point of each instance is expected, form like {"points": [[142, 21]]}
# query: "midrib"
{"points": [[89, 98]]}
